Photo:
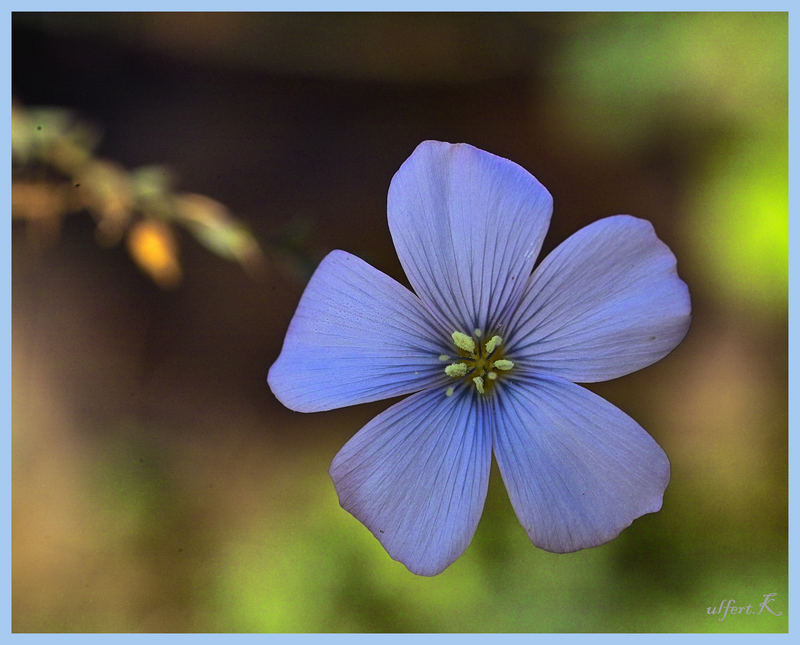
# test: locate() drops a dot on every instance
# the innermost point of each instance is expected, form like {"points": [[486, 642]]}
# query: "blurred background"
{"points": [[176, 179]]}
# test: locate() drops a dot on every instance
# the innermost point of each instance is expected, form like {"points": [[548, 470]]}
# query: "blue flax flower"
{"points": [[489, 351]]}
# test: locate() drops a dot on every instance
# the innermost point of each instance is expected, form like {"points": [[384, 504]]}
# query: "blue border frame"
{"points": [[408, 5]]}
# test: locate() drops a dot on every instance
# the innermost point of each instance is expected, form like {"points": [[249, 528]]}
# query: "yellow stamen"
{"points": [[463, 341], [492, 344], [480, 362], [456, 369]]}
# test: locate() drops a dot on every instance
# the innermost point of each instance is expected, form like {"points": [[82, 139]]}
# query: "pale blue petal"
{"points": [[357, 336], [417, 476], [606, 302], [577, 469], [467, 226]]}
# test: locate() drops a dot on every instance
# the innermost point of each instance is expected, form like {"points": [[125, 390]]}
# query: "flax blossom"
{"points": [[489, 351]]}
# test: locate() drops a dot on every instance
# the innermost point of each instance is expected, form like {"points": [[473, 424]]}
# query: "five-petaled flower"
{"points": [[489, 350]]}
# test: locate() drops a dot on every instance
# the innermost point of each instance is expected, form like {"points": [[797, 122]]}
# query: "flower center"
{"points": [[479, 363]]}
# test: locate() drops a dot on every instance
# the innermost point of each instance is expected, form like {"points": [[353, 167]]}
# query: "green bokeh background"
{"points": [[157, 484]]}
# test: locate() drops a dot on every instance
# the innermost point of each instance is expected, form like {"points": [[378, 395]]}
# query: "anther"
{"points": [[463, 341], [449, 391], [492, 344], [492, 376], [504, 364], [444, 358], [478, 384], [456, 369]]}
